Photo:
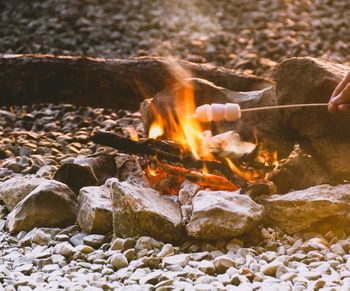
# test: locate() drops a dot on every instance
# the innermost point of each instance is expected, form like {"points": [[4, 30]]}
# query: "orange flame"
{"points": [[181, 127], [185, 129], [156, 130], [247, 174]]}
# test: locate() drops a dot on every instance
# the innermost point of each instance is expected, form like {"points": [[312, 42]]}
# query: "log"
{"points": [[214, 182], [110, 83], [160, 150]]}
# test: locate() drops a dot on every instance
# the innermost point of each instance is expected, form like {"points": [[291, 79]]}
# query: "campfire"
{"points": [[226, 177], [179, 147]]}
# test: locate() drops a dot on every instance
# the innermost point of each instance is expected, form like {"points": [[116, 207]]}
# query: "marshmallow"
{"points": [[203, 113], [218, 112], [232, 112]]}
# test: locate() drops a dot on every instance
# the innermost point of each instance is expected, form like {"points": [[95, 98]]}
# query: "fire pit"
{"points": [[147, 167]]}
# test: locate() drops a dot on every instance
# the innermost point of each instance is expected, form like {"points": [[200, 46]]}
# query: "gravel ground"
{"points": [[36, 139], [246, 35], [249, 36]]}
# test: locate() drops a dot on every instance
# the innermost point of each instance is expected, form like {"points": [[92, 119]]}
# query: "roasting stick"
{"points": [[284, 106], [232, 111]]}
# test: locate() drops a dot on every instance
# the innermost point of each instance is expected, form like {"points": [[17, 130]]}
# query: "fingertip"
{"points": [[331, 108], [343, 108]]}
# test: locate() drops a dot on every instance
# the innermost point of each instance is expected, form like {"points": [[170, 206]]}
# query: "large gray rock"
{"points": [[16, 189], [297, 211], [222, 215], [139, 211], [310, 80], [95, 210], [52, 204]]}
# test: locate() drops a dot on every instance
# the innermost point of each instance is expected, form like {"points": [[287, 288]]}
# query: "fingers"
{"points": [[341, 85], [332, 108], [343, 97], [341, 101], [337, 96], [343, 108]]}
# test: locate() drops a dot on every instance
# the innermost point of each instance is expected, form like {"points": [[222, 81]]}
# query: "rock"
{"points": [[297, 211], [179, 260], [271, 268], [167, 250], [65, 249], [52, 204], [222, 215], [310, 80], [318, 244], [119, 261], [206, 267], [84, 249], [139, 211], [95, 210], [36, 236], [147, 243], [86, 171], [130, 254], [17, 188], [337, 249], [223, 263], [77, 239], [117, 244], [298, 171], [94, 240], [151, 278]]}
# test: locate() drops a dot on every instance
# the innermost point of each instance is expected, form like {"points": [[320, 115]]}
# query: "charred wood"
{"points": [[163, 151]]}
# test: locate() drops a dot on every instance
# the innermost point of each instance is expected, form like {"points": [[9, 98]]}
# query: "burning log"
{"points": [[204, 180], [160, 150]]}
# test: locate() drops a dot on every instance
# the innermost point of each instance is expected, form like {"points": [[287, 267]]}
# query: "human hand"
{"points": [[340, 96]]}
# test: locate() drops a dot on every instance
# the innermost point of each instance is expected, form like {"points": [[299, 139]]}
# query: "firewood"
{"points": [[163, 151], [204, 180]]}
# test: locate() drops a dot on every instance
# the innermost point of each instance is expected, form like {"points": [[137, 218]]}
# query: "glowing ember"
{"points": [[248, 174], [152, 171]]}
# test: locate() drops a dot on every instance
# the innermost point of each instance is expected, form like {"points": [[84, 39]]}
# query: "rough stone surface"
{"points": [[222, 215], [15, 189], [95, 210], [86, 171], [143, 211], [51, 204], [299, 171], [310, 80], [296, 211]]}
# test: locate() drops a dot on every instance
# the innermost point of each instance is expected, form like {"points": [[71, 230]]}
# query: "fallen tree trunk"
{"points": [[160, 150], [111, 83]]}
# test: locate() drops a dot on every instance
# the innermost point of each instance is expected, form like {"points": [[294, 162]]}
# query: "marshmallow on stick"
{"points": [[232, 111]]}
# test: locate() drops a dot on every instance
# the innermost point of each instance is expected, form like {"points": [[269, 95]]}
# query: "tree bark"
{"points": [[110, 83]]}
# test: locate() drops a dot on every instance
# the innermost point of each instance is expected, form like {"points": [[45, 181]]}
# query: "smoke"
{"points": [[188, 21]]}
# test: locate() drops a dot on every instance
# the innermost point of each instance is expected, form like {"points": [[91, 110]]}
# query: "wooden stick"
{"points": [[284, 107]]}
